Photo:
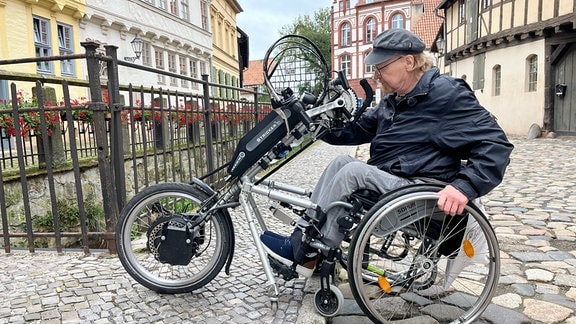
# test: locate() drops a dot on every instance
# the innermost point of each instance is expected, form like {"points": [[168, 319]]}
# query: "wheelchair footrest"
{"points": [[284, 271]]}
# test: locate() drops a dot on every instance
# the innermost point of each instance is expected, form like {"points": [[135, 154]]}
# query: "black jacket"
{"points": [[429, 132]]}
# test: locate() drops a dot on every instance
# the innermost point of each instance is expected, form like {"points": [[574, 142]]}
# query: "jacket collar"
{"points": [[422, 87]]}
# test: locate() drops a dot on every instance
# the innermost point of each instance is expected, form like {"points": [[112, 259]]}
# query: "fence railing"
{"points": [[100, 149]]}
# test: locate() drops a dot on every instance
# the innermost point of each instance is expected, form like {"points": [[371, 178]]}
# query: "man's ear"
{"points": [[410, 62]]}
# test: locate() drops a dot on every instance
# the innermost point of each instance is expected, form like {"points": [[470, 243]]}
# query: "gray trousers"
{"points": [[343, 176]]}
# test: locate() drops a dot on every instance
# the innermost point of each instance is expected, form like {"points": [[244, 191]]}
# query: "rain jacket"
{"points": [[430, 132]]}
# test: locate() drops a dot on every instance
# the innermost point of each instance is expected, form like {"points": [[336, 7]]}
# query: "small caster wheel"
{"points": [[328, 302], [274, 305]]}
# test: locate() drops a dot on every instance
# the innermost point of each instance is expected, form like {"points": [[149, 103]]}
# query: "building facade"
{"points": [[176, 38], [519, 57], [225, 36], [356, 23], [36, 29]]}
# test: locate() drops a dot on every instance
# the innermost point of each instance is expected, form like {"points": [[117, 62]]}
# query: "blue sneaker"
{"points": [[280, 248]]}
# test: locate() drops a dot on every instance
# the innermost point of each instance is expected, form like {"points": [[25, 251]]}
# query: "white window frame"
{"points": [[66, 47], [346, 35], [346, 64], [42, 44]]}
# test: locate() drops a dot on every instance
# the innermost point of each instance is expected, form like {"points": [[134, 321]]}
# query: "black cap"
{"points": [[394, 42]]}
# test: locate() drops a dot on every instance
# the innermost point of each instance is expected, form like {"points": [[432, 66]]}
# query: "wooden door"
{"points": [[565, 93]]}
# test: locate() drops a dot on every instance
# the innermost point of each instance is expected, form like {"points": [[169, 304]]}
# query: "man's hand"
{"points": [[452, 201]]}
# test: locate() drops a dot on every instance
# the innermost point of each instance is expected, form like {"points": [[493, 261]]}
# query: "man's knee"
{"points": [[355, 170]]}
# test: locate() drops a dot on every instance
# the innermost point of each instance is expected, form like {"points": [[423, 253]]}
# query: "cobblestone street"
{"points": [[533, 213]]}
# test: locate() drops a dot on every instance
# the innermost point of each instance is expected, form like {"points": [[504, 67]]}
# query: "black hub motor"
{"points": [[173, 239]]}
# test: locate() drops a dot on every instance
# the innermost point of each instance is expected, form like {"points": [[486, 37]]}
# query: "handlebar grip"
{"points": [[368, 91], [298, 108], [367, 100]]}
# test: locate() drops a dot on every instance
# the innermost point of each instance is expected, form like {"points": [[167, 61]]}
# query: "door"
{"points": [[565, 93]]}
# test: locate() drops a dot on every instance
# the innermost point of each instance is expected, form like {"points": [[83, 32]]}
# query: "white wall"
{"points": [[515, 108]]}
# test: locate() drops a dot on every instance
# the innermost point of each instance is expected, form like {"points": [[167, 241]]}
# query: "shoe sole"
{"points": [[300, 269]]}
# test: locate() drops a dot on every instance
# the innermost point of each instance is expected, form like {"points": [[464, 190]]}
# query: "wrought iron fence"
{"points": [[68, 166]]}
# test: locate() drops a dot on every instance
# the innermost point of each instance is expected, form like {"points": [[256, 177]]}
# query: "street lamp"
{"points": [[440, 43], [137, 43]]}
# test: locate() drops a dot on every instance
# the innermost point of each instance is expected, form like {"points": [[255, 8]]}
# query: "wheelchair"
{"points": [[405, 259]]}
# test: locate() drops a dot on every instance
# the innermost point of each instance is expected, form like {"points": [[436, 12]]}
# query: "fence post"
{"points": [[116, 140], [208, 127], [256, 93], [106, 176]]}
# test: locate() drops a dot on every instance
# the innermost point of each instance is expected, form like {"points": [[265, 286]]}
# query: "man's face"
{"points": [[391, 73]]}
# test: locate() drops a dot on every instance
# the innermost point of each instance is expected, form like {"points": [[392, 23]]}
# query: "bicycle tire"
{"points": [[140, 259]]}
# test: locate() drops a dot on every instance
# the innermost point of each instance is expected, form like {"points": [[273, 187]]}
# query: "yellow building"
{"points": [[225, 61], [40, 28]]}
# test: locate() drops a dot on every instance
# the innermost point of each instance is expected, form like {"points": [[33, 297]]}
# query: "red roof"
{"points": [[254, 75], [428, 25]]}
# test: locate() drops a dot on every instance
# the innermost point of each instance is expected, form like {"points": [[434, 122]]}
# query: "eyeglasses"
{"points": [[382, 67]]}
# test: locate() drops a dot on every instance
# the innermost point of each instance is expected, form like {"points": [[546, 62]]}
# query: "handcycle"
{"points": [[404, 257]]}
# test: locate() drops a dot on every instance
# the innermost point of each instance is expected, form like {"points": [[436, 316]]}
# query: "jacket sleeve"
{"points": [[470, 132], [355, 133]]}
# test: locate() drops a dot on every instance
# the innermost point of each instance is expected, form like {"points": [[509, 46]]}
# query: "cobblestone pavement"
{"points": [[72, 288], [533, 213]]}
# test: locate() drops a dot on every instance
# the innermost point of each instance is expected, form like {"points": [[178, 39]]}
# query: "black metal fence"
{"points": [[69, 165]]}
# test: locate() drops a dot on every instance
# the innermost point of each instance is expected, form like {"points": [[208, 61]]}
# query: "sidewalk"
{"points": [[533, 213]]}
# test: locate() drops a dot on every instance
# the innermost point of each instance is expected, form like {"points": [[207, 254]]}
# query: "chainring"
{"points": [[336, 118]]}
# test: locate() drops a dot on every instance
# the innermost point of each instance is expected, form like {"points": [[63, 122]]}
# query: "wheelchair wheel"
{"points": [[449, 271], [328, 302], [160, 249]]}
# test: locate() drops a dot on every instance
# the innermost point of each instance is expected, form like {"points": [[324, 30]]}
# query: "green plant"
{"points": [[29, 121], [69, 217]]}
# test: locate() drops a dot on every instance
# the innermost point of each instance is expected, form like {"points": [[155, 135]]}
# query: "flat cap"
{"points": [[393, 42]]}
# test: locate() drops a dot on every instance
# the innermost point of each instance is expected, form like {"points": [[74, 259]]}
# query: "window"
{"points": [[42, 43], [184, 10], [345, 64], [348, 4], [183, 70], [370, 30], [159, 58], [496, 80], [172, 68], [194, 72], [162, 4], [146, 54], [532, 66], [204, 14], [66, 47], [462, 11], [398, 21], [478, 77], [368, 68], [486, 3], [341, 5], [202, 68], [346, 35], [174, 7]]}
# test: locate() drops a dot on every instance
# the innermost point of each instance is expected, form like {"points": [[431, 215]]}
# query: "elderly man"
{"points": [[426, 125]]}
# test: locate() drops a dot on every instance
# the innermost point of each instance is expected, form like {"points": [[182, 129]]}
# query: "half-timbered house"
{"points": [[519, 56]]}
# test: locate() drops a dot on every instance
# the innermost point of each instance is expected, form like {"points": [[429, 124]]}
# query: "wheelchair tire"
{"points": [[454, 288], [190, 260]]}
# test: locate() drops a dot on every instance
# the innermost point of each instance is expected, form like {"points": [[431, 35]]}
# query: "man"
{"points": [[424, 128]]}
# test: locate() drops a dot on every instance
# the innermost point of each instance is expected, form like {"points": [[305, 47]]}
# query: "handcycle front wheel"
{"points": [[449, 273], [161, 250]]}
